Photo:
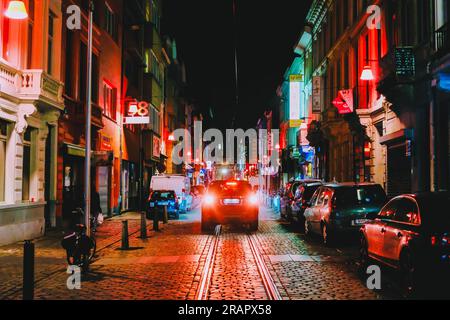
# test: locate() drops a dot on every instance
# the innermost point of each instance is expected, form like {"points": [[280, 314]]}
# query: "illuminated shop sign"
{"points": [[138, 113], [295, 90], [344, 101]]}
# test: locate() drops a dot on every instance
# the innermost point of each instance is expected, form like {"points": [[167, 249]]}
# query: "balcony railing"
{"points": [[30, 85], [77, 112], [441, 41]]}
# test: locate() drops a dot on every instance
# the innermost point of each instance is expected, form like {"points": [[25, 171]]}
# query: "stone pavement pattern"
{"points": [[169, 263]]}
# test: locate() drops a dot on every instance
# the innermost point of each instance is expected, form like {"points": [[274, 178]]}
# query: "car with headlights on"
{"points": [[337, 209], [231, 201], [411, 233]]}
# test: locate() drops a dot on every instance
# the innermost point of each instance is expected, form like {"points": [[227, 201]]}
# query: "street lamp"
{"points": [[16, 10]]}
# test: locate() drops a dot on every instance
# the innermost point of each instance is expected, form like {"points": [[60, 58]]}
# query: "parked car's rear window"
{"points": [[360, 195], [163, 195]]}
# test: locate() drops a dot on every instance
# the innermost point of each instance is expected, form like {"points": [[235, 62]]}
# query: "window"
{"points": [[111, 25], [109, 101], [3, 140], [30, 33], [5, 34], [27, 164], [388, 212], [407, 212], [69, 70], [51, 33], [155, 15]]}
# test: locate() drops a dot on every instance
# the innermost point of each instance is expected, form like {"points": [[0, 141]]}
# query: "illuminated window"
{"points": [[109, 101], [30, 33], [51, 34]]}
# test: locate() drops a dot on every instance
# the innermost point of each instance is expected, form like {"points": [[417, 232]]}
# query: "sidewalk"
{"points": [[50, 257]]}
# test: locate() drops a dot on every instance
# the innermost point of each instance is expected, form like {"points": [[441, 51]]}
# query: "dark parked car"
{"points": [[301, 201], [412, 234], [159, 199], [288, 194], [342, 208], [230, 202]]}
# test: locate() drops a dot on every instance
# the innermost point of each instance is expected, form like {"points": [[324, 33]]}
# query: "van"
{"points": [[178, 183]]}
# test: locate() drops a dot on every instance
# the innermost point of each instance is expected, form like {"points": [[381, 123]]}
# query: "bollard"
{"points": [[28, 270], [143, 226], [156, 220], [125, 244], [165, 216]]}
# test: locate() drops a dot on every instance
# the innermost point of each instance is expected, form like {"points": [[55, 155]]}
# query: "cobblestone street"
{"points": [[170, 263]]}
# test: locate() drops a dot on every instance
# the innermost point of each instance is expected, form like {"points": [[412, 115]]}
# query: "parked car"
{"points": [[412, 234], [159, 199], [230, 202], [178, 183], [288, 194], [302, 198], [336, 209]]}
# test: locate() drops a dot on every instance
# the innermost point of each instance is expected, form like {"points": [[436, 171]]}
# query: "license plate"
{"points": [[359, 222], [231, 201]]}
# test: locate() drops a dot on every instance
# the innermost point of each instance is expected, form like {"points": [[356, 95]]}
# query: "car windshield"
{"points": [[360, 195], [161, 195], [230, 188]]}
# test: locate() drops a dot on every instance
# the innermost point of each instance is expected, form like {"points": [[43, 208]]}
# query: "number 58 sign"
{"points": [[138, 113]]}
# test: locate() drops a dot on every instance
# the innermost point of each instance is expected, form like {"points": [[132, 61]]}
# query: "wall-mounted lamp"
{"points": [[16, 10], [367, 74]]}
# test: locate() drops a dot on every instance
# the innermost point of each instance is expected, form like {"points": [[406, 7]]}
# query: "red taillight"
{"points": [[440, 240]]}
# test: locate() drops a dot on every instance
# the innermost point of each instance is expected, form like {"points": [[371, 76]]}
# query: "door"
{"points": [[406, 217], [47, 182], [376, 230], [104, 187], [317, 210], [309, 212], [399, 176]]}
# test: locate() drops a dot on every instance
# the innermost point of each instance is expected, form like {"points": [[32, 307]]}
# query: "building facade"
{"points": [[30, 106]]}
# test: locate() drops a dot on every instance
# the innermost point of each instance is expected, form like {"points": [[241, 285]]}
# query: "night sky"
{"points": [[205, 35]]}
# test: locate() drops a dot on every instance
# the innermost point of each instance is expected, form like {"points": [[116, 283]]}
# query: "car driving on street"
{"points": [[230, 201], [412, 234], [339, 208], [160, 199]]}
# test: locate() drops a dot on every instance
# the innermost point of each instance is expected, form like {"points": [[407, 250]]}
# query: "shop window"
{"points": [[3, 140], [27, 163]]}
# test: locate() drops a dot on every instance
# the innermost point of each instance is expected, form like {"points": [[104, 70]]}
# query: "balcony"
{"points": [[441, 41], [77, 112], [30, 85]]}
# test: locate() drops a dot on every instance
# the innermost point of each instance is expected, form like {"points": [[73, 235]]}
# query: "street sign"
{"points": [[317, 94]]}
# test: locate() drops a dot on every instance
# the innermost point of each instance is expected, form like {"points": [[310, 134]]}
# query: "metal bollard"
{"points": [[143, 226], [165, 215], [28, 270], [125, 243], [156, 220]]}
